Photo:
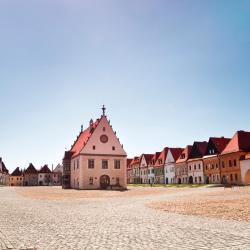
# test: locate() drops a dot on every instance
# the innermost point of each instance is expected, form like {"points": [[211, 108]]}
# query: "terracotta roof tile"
{"points": [[176, 152], [217, 143], [148, 157], [184, 156], [83, 138], [239, 142], [162, 158]]}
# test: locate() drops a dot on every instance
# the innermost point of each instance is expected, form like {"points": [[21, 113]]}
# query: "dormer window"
{"points": [[182, 156]]}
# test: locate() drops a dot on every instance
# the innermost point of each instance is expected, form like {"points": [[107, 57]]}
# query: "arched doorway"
{"points": [[166, 180], [190, 180], [179, 180], [247, 177], [104, 181]]}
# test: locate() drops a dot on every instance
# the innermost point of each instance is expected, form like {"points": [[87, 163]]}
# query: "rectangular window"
{"points": [[91, 163], [117, 164], [223, 164], [91, 180], [235, 163], [230, 163], [236, 177], [77, 163], [104, 164]]}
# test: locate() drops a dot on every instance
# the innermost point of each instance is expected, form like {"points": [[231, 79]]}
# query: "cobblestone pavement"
{"points": [[115, 223]]}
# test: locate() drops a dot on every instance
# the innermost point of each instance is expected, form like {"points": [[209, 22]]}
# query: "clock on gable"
{"points": [[104, 138]]}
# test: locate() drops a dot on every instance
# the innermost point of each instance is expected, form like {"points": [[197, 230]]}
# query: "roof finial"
{"points": [[81, 128], [103, 110]]}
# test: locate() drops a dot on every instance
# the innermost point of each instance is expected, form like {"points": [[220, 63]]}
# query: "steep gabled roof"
{"points": [[217, 144], [17, 172], [4, 169], [83, 138], [129, 160], [58, 169], [184, 156], [135, 161], [155, 157], [239, 142], [148, 157], [45, 170], [162, 157], [31, 170], [198, 150], [176, 152]]}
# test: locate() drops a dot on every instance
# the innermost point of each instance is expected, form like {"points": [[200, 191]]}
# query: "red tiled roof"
{"points": [[219, 142], [161, 157], [186, 153], [176, 152], [45, 170], [129, 160], [135, 161], [239, 142], [148, 157], [155, 157], [83, 138], [17, 172], [30, 170], [198, 150]]}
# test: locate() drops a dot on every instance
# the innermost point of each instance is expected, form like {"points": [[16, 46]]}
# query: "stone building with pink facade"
{"points": [[96, 159]]}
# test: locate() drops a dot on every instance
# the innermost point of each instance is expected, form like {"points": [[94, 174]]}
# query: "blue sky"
{"points": [[169, 72]]}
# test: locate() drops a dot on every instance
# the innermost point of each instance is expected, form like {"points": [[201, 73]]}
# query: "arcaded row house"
{"points": [[220, 160], [4, 173], [96, 159]]}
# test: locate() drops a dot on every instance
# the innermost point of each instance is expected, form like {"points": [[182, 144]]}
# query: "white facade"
{"points": [[169, 168], [245, 171], [143, 170], [195, 171]]}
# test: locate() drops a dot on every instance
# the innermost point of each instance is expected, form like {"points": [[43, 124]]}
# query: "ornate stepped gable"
{"points": [[239, 142], [86, 135]]}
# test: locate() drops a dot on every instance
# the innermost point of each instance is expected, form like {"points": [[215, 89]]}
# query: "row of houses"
{"points": [[33, 177], [218, 160]]}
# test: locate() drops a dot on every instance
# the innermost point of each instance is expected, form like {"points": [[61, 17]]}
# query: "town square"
{"points": [[124, 125]]}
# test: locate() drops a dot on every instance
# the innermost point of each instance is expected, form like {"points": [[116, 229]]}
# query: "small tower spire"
{"points": [[103, 110]]}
